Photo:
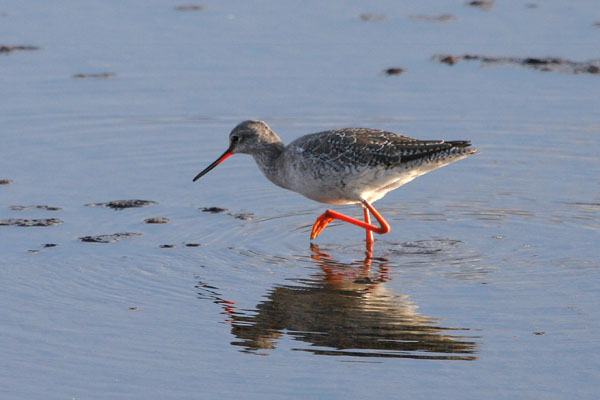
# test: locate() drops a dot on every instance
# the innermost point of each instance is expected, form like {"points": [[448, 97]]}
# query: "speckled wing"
{"points": [[356, 147]]}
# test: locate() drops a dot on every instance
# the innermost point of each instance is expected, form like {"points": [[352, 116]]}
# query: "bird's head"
{"points": [[248, 137]]}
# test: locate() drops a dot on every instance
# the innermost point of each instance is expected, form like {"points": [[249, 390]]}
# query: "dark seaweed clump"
{"points": [[482, 4], [218, 210], [115, 237], [394, 71], [30, 222], [243, 216], [213, 210], [157, 220], [41, 207], [545, 64], [122, 204], [10, 49]]}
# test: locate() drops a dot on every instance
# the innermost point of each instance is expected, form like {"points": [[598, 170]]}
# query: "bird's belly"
{"points": [[352, 188], [340, 189], [328, 194], [324, 189]]}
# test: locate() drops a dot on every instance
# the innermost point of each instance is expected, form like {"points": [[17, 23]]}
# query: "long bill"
{"points": [[228, 153]]}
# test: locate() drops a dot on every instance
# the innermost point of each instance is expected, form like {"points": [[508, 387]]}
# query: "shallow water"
{"points": [[487, 286]]}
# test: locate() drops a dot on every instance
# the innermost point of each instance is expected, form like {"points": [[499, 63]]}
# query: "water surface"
{"points": [[486, 287]]}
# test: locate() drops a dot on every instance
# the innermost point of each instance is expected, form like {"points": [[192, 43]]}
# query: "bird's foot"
{"points": [[320, 224]]}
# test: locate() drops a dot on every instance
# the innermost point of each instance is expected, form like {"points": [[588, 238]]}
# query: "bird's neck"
{"points": [[268, 160]]}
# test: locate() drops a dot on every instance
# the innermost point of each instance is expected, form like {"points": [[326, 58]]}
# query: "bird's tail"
{"points": [[459, 143]]}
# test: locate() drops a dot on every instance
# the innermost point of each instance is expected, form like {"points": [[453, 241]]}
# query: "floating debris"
{"points": [[103, 75], [132, 308], [115, 237], [482, 4], [218, 210], [30, 222], [393, 71], [192, 245], [44, 246], [539, 333], [121, 204], [159, 220], [190, 7], [243, 216], [167, 246], [450, 60], [545, 64], [372, 17], [5, 181], [433, 18], [213, 210], [9, 49], [42, 207]]}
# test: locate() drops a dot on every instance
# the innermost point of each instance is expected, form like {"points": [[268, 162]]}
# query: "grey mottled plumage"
{"points": [[342, 166]]}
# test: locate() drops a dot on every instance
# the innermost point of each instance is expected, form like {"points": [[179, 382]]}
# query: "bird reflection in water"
{"points": [[344, 310]]}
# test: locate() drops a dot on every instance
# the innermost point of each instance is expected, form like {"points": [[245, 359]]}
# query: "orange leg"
{"points": [[370, 238], [330, 215]]}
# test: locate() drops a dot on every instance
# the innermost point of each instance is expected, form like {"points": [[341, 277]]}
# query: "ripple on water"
{"points": [[584, 214], [487, 213], [238, 228], [425, 247]]}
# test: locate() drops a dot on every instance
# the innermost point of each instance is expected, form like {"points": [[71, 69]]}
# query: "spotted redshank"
{"points": [[343, 166]]}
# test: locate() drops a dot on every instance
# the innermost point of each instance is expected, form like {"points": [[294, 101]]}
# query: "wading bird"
{"points": [[343, 166]]}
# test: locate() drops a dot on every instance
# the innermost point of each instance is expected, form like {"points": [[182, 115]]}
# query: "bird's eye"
{"points": [[235, 139]]}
